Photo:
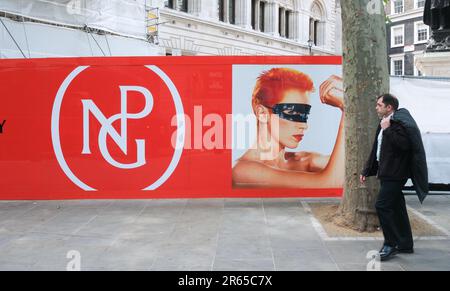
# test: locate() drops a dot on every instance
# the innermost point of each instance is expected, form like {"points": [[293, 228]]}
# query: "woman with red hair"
{"points": [[281, 103]]}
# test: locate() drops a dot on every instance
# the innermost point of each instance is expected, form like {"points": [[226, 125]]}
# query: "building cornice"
{"points": [[416, 13]]}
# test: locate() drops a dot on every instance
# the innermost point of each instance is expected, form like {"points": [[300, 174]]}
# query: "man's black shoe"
{"points": [[406, 251], [387, 253]]}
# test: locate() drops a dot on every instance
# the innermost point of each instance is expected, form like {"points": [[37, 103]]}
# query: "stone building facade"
{"points": [[249, 27]]}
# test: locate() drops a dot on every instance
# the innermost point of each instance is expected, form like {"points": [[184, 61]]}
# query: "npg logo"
{"points": [[111, 127]]}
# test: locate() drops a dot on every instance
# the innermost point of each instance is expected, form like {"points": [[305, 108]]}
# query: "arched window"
{"points": [[317, 24]]}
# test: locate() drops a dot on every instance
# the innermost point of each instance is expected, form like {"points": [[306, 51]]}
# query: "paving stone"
{"points": [[195, 235]]}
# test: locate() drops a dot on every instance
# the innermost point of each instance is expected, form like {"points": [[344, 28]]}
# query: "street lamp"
{"points": [[310, 45]]}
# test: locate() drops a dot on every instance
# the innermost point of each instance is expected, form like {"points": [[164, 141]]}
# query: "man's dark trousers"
{"points": [[394, 220]]}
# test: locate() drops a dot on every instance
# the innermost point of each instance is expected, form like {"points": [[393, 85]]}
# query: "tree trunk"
{"points": [[365, 78]]}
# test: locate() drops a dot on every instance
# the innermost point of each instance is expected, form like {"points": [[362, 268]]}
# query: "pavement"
{"points": [[197, 235]]}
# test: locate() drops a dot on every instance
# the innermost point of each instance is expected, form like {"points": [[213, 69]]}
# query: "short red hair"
{"points": [[271, 84]]}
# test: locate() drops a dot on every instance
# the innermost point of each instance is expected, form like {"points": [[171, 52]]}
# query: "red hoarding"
{"points": [[171, 127]]}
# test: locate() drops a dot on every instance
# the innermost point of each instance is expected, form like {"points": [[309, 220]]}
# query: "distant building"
{"points": [[407, 35]]}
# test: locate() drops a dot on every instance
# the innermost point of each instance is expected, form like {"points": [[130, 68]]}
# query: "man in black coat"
{"points": [[397, 155]]}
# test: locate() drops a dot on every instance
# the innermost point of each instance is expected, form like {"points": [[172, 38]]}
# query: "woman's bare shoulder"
{"points": [[249, 173], [253, 172]]}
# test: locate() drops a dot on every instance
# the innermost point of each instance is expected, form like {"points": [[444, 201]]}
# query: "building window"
{"points": [[222, 10], [183, 5], [280, 21], [254, 9], [232, 11], [419, 3], [169, 4], [262, 13], [288, 21], [314, 25], [258, 15], [398, 39], [421, 32], [397, 6], [284, 18], [317, 25], [397, 36], [397, 66], [227, 11]]}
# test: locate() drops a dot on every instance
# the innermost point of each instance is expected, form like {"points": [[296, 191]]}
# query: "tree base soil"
{"points": [[326, 214]]}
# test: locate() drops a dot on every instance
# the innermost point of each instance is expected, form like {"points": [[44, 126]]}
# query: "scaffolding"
{"points": [[152, 24]]}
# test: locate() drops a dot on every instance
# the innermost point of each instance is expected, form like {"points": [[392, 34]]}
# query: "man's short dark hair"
{"points": [[389, 99]]}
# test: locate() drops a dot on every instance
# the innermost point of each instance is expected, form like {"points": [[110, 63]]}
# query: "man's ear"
{"points": [[262, 113]]}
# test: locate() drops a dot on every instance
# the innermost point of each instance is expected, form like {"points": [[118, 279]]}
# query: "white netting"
{"points": [[37, 40], [427, 100], [429, 103], [124, 17]]}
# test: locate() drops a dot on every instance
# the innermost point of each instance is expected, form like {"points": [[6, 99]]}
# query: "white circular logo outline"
{"points": [[180, 139]]}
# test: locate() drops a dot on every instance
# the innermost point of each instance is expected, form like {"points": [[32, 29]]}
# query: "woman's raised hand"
{"points": [[332, 92]]}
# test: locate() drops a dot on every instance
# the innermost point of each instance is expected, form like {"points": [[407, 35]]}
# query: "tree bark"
{"points": [[365, 78]]}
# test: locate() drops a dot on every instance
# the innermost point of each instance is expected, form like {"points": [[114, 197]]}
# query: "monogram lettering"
{"points": [[121, 139]]}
